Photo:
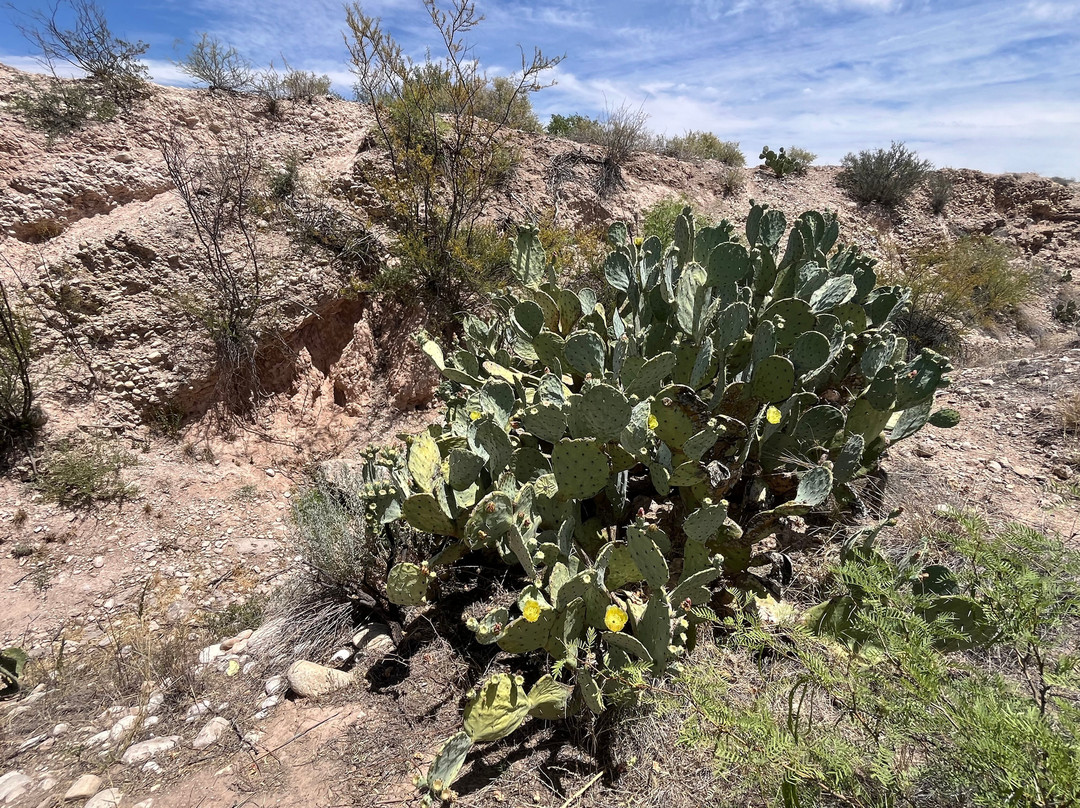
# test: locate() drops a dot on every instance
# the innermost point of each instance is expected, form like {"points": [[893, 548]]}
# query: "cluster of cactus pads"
{"points": [[629, 457]]}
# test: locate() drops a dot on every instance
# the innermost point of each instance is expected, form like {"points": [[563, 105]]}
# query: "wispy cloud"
{"points": [[986, 83]]}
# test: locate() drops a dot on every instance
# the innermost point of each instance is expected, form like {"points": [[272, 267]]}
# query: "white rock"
{"points": [[12, 786], [196, 709], [211, 733], [309, 679], [150, 767], [98, 562], [275, 684], [210, 653], [369, 634], [144, 750], [153, 704], [109, 798], [86, 786], [341, 657], [101, 737], [122, 727], [270, 702], [60, 729]]}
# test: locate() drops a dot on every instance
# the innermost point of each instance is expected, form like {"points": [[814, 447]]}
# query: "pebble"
{"points": [[925, 449], [98, 562], [144, 750], [211, 733], [86, 786], [122, 728], [274, 685]]}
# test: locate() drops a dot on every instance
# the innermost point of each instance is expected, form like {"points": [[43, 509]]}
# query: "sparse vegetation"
{"points": [[81, 473], [940, 187], [900, 717], [694, 145], [59, 107], [218, 66], [19, 415], [886, 176], [957, 285], [218, 189], [111, 64], [446, 160]]}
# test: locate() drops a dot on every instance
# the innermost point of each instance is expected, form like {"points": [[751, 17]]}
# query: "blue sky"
{"points": [[990, 85]]}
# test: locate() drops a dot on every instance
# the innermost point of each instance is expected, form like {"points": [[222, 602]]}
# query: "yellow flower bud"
{"points": [[772, 415], [474, 416], [652, 422], [615, 618]]}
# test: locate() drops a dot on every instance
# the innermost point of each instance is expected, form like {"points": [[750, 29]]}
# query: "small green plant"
{"points": [[20, 417], [659, 218], [218, 66], [79, 474], [875, 704], [732, 180], [956, 285], [1067, 312], [940, 187], [886, 176], [574, 127], [787, 162], [703, 146], [12, 662], [624, 461], [22, 550], [59, 107]]}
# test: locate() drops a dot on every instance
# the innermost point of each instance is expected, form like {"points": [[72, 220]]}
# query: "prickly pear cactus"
{"points": [[728, 382]]}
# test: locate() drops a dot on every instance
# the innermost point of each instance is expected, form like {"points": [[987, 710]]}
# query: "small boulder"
{"points": [[12, 786], [144, 750], [309, 679], [83, 788], [211, 733]]}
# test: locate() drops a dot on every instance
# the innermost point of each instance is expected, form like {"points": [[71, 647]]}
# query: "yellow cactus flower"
{"points": [[653, 422], [474, 416], [615, 618], [772, 415], [531, 611]]}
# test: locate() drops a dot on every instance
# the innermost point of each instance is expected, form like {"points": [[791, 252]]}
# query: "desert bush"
{"points": [[84, 472], [659, 218], [596, 448], [304, 85], [732, 181], [793, 161], [623, 131], [869, 699], [885, 176], [446, 160], [500, 98], [110, 63], [219, 189], [957, 285], [217, 65], [702, 146], [581, 128], [940, 188], [19, 416], [59, 107]]}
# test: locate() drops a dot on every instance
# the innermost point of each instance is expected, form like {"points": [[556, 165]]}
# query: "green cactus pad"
{"points": [[545, 421], [797, 319], [677, 411], [581, 468], [863, 419], [590, 691], [520, 636], [489, 440], [490, 627], [964, 616], [852, 316], [464, 468], [695, 588], [497, 708], [529, 318], [881, 393], [731, 325], [407, 584], [697, 445], [548, 698], [687, 474], [945, 418], [585, 352], [621, 569], [849, 459], [628, 643], [652, 374], [706, 522], [911, 421], [774, 379], [820, 426], [617, 271], [654, 630], [810, 352], [550, 348], [688, 293], [529, 463], [606, 410], [425, 462], [921, 377], [423, 512], [834, 292], [648, 557], [814, 487]]}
